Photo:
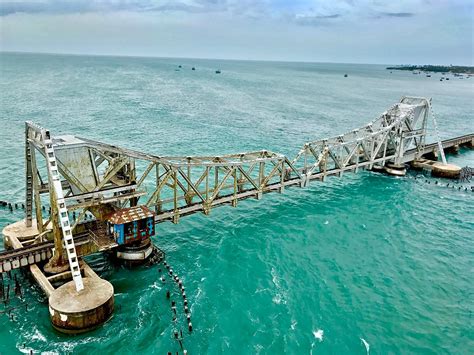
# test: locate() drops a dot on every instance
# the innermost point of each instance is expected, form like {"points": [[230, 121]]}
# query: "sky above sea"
{"points": [[341, 31]]}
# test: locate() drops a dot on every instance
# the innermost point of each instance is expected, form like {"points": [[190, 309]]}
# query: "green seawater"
{"points": [[358, 264]]}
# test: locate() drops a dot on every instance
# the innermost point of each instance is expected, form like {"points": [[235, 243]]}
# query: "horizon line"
{"points": [[208, 58]]}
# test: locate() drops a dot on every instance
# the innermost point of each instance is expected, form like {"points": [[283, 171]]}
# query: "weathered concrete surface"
{"points": [[446, 170], [437, 169], [135, 255], [21, 232], [75, 312], [395, 169], [16, 244], [42, 281]]}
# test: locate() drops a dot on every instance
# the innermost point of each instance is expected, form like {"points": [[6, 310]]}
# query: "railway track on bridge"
{"points": [[30, 254]]}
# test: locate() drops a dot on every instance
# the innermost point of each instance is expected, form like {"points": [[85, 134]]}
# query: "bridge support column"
{"points": [[450, 171], [73, 312], [135, 254], [395, 169]]}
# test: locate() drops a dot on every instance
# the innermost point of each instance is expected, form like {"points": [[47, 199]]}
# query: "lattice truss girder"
{"points": [[386, 138], [97, 174]]}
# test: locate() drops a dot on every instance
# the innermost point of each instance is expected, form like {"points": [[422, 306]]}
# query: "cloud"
{"points": [[308, 30], [314, 20], [398, 14], [9, 8], [86, 6]]}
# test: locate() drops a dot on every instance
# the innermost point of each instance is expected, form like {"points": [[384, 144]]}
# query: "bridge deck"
{"points": [[29, 255], [433, 147], [35, 253], [227, 199]]}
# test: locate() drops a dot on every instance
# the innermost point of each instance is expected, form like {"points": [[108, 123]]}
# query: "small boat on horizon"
{"points": [[218, 71]]}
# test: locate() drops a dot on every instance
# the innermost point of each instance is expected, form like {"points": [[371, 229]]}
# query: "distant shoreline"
{"points": [[435, 68]]}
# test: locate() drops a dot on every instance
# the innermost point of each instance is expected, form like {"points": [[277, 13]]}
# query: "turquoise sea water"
{"points": [[362, 262]]}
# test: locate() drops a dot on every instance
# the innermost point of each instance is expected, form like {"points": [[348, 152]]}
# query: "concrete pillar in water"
{"points": [[449, 171], [135, 254], [395, 169], [73, 312]]}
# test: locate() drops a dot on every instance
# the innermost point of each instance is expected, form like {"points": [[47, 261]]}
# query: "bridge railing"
{"points": [[179, 185], [386, 138], [186, 185]]}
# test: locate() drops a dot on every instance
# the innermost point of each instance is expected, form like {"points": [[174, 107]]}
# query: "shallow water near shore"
{"points": [[364, 263]]}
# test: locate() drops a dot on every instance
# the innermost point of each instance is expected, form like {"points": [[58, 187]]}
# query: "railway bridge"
{"points": [[106, 198]]}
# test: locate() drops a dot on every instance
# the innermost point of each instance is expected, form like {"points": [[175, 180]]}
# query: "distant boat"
{"points": [[193, 68], [345, 75], [218, 71], [447, 78], [428, 76], [179, 66], [441, 79]]}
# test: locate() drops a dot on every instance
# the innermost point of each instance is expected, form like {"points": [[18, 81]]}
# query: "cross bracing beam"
{"points": [[96, 175]]}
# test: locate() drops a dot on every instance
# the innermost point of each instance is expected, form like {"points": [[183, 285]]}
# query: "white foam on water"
{"points": [[367, 346], [277, 299], [279, 296], [275, 278], [318, 334], [327, 222], [38, 336]]}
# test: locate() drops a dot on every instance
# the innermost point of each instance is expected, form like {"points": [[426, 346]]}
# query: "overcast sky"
{"points": [[351, 31]]}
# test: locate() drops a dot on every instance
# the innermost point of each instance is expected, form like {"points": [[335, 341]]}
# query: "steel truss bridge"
{"points": [[88, 177]]}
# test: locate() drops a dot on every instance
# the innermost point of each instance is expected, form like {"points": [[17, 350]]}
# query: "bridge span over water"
{"points": [[105, 197]]}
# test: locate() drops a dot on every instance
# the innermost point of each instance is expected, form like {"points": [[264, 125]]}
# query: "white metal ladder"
{"points": [[63, 214], [440, 145]]}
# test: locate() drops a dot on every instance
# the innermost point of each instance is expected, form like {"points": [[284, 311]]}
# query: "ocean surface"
{"points": [[362, 264]]}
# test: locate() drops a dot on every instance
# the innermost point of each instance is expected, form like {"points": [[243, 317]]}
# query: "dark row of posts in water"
{"points": [[10, 283], [177, 335]]}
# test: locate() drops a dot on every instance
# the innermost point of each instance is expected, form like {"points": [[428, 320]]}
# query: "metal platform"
{"points": [[99, 237]]}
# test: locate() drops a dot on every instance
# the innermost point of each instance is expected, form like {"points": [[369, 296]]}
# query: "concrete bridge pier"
{"points": [[395, 169], [134, 255], [71, 312]]}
